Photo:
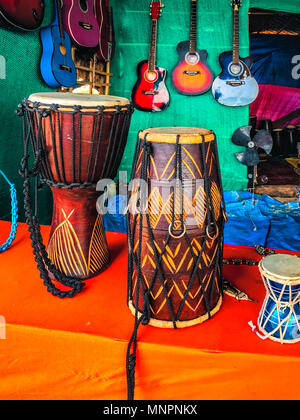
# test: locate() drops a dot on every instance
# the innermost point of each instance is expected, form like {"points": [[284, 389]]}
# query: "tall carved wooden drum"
{"points": [[279, 318], [77, 140], [175, 220]]}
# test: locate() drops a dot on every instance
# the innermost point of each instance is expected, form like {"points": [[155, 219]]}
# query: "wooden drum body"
{"points": [[79, 139], [279, 317], [175, 228]]}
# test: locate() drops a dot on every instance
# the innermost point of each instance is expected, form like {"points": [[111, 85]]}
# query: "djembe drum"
{"points": [[77, 140], [175, 223], [279, 318]]}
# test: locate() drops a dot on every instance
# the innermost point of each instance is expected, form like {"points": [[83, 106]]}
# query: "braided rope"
{"points": [[14, 214]]}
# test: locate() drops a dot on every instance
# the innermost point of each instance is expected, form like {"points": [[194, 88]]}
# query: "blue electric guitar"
{"points": [[57, 66], [235, 86]]}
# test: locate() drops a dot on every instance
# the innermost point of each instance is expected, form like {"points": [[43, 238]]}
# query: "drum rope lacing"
{"points": [[280, 306], [41, 169], [14, 214], [133, 260], [39, 250]]}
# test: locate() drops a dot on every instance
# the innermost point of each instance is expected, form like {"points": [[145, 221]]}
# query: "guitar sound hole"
{"points": [[83, 6], [151, 76], [235, 69], [192, 58]]}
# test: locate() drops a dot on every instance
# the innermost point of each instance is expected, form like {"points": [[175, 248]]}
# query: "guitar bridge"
{"points": [[191, 73], [65, 68], [150, 92], [86, 26], [235, 83]]}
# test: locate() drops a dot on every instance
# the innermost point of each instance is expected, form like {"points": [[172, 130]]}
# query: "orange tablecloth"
{"points": [[76, 348]]}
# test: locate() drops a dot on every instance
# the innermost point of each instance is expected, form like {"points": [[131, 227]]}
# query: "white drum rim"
{"points": [[67, 99], [284, 279]]}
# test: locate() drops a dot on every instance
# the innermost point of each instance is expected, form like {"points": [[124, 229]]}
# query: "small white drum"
{"points": [[279, 318]]}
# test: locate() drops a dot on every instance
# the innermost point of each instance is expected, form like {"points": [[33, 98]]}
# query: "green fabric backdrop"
{"points": [[132, 23], [21, 77]]}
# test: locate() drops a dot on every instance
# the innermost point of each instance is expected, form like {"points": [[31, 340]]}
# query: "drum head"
{"points": [[283, 266], [188, 135], [73, 99]]}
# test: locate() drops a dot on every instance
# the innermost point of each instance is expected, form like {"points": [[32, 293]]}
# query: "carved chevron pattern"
{"points": [[66, 254], [195, 208], [65, 251]]}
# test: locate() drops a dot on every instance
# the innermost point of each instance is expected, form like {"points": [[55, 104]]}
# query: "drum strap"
{"points": [[134, 259], [14, 214], [41, 257]]}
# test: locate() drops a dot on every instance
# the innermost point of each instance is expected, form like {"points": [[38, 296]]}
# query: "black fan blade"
{"points": [[249, 157], [241, 136], [263, 139]]}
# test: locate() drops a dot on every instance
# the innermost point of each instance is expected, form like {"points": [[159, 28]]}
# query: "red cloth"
{"points": [[274, 102], [76, 348]]}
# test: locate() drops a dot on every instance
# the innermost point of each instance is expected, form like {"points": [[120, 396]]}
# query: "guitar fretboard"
{"points": [[235, 49], [193, 27], [59, 19], [153, 41]]}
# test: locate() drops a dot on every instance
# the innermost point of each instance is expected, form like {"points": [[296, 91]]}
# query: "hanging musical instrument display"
{"points": [[235, 86], [80, 22], [56, 65], [191, 75], [150, 93]]}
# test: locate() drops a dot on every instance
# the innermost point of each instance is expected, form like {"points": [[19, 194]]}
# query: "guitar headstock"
{"points": [[236, 4], [155, 9]]}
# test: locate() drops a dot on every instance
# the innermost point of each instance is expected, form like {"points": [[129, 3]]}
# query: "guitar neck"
{"points": [[193, 27], [153, 42], [59, 18], [235, 48]]}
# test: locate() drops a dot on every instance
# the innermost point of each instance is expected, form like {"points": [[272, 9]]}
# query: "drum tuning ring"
{"points": [[177, 223], [207, 231]]}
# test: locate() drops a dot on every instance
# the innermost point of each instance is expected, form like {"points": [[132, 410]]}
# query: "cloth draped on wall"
{"points": [[276, 67]]}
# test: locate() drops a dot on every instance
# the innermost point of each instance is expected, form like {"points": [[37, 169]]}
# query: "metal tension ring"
{"points": [[177, 223]]}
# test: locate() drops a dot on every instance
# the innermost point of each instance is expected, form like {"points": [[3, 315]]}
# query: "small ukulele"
{"points": [[80, 22], [191, 75], [57, 66], [235, 86], [150, 92]]}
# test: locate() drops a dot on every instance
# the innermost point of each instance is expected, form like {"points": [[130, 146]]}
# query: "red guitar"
{"points": [[105, 20], [22, 14], [150, 92], [191, 75]]}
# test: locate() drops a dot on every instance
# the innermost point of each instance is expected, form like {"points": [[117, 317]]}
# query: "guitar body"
{"points": [[80, 22], [147, 95], [106, 38], [191, 75], [22, 14], [237, 89], [56, 65]]}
